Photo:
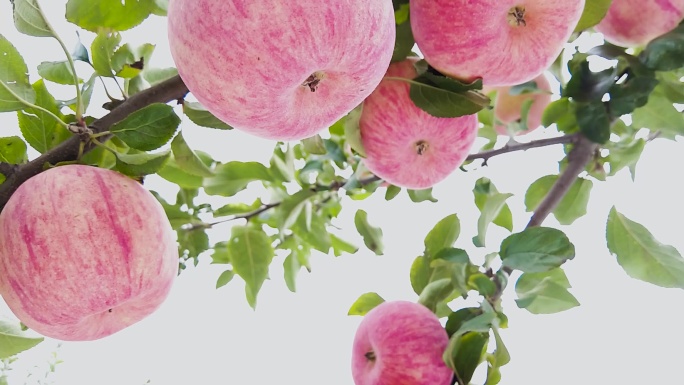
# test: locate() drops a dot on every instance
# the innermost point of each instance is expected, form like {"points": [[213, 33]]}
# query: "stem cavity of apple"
{"points": [[421, 147], [370, 356], [516, 16], [313, 80]]}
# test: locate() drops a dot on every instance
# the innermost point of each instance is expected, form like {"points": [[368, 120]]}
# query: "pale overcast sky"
{"points": [[625, 331]]}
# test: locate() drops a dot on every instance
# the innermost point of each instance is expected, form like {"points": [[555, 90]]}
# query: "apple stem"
{"points": [[370, 356], [421, 147], [516, 16], [312, 81]]}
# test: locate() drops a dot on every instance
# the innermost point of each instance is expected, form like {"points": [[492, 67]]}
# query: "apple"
{"points": [[504, 42], [400, 343], [405, 145], [84, 252], [631, 23], [281, 70], [508, 108]]}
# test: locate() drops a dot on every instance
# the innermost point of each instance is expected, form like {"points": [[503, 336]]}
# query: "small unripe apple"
{"points": [[400, 342], [405, 145], [84, 253], [631, 23], [281, 69], [508, 108], [504, 42]]}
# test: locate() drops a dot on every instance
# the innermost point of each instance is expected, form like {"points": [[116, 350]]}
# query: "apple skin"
{"points": [[247, 62], [481, 39], [407, 341], [508, 108], [392, 128], [631, 23], [84, 252]]}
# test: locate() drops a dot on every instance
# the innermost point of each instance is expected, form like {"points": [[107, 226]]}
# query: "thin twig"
{"points": [[486, 155]]}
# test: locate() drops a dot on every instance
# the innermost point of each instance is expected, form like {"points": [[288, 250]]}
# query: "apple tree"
{"points": [[358, 98]]}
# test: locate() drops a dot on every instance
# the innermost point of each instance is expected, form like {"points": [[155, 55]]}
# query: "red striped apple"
{"points": [[631, 23], [84, 252], [400, 342], [281, 69], [508, 108], [405, 145], [504, 42]]}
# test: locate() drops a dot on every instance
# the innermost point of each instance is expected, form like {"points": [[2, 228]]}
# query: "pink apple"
{"points": [[504, 42], [508, 108], [84, 252], [281, 69], [400, 343], [405, 145], [631, 23]]}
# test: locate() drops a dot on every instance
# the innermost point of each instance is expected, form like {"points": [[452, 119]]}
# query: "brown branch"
{"points": [[7, 168], [164, 92], [579, 156], [486, 155]]}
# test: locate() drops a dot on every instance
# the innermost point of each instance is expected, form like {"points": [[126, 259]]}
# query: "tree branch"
{"points": [[164, 92], [486, 155], [578, 158]]}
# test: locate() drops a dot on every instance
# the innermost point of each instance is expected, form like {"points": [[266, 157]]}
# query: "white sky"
{"points": [[625, 331]]}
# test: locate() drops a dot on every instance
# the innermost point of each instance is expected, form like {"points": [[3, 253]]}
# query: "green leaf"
{"points": [[237, 208], [404, 42], [174, 174], [421, 195], [155, 76], [365, 303], [13, 340], [464, 353], [251, 254], [14, 81], [103, 47], [41, 130], [372, 236], [501, 354], [641, 255], [148, 128], [659, 115], [57, 72], [314, 145], [545, 292], [594, 121], [291, 267], [201, 117], [314, 233], [625, 155], [420, 274], [572, 206], [352, 130], [340, 246], [555, 111], [456, 263], [224, 278], [456, 319], [282, 164], [392, 191], [232, 177], [29, 19], [192, 243], [493, 209], [630, 95], [593, 13], [482, 284], [536, 249], [290, 209], [187, 159], [80, 52], [141, 164], [118, 15], [13, 150], [443, 234], [665, 52], [445, 103], [435, 292], [585, 85]]}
